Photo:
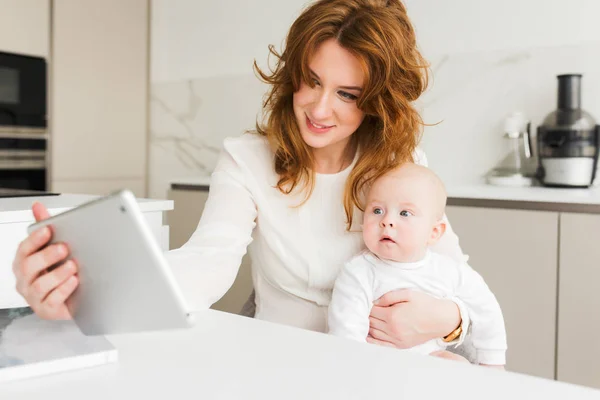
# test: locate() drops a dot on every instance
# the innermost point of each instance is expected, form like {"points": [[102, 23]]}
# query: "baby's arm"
{"points": [[487, 323], [351, 302]]}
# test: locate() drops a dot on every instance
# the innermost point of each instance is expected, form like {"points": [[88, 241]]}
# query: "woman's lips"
{"points": [[317, 128]]}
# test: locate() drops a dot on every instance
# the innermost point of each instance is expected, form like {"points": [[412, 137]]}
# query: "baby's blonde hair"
{"points": [[417, 171]]}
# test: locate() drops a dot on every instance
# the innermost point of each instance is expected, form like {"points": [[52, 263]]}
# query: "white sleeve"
{"points": [[206, 266], [448, 245], [487, 323], [351, 303]]}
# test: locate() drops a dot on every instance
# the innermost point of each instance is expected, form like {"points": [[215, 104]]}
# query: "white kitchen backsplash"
{"points": [[189, 120], [470, 95]]}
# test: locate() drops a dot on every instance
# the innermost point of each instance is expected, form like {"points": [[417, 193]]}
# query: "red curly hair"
{"points": [[380, 35]]}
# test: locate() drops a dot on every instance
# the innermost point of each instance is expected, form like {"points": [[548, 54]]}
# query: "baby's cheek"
{"points": [[368, 234]]}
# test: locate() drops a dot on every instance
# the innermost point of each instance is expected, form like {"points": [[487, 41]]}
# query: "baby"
{"points": [[403, 217]]}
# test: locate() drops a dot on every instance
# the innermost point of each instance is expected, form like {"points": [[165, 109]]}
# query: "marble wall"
{"points": [[189, 120], [469, 96], [203, 88]]}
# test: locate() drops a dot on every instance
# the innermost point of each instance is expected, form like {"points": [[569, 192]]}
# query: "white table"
{"points": [[231, 357]]}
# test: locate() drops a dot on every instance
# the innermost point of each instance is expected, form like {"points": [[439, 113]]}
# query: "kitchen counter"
{"points": [[483, 195], [18, 209], [526, 198], [227, 356]]}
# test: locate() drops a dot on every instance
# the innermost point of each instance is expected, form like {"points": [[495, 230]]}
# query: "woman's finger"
{"points": [[380, 313], [56, 299], [394, 297], [377, 324], [379, 342], [40, 212], [33, 265], [30, 245], [380, 335], [46, 283]]}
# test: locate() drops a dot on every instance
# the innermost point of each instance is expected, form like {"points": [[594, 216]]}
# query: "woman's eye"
{"points": [[348, 96], [377, 211], [316, 82], [405, 213]]}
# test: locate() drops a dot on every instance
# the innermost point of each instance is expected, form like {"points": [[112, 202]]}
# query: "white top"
{"points": [[296, 251], [18, 209], [367, 277], [227, 356]]}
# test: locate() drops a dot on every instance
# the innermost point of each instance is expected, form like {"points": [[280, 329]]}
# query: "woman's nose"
{"points": [[323, 107]]}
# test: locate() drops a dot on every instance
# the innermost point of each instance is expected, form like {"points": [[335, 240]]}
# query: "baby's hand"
{"points": [[500, 367]]}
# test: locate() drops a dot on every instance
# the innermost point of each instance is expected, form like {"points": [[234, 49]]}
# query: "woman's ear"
{"points": [[437, 232]]}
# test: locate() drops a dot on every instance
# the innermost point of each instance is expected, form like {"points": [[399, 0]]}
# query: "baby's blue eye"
{"points": [[377, 211], [405, 213]]}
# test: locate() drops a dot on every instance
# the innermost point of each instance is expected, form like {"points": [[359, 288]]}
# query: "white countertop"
{"points": [[479, 191], [18, 209], [199, 181], [232, 357], [532, 194]]}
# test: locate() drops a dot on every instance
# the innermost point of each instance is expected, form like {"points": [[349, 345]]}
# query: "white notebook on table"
{"points": [[31, 346]]}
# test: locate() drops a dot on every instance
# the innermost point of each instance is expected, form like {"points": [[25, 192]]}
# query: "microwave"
{"points": [[23, 91]]}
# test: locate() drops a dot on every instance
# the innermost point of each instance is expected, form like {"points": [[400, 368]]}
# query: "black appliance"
{"points": [[24, 193], [568, 140], [23, 162], [23, 126], [22, 91]]}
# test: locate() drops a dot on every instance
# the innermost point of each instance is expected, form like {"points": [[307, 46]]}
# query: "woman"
{"points": [[339, 115]]}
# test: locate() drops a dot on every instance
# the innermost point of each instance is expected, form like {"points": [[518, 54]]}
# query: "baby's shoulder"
{"points": [[360, 264], [444, 264]]}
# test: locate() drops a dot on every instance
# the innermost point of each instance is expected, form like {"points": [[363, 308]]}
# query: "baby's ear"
{"points": [[437, 232]]}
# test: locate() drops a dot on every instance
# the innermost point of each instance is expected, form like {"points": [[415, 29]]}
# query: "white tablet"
{"points": [[125, 283]]}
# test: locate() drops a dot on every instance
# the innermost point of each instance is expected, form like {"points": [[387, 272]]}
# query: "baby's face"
{"points": [[402, 209]]}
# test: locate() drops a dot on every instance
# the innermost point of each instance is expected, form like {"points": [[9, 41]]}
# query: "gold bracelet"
{"points": [[454, 334]]}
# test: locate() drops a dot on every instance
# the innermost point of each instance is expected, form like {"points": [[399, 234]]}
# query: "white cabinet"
{"points": [[579, 300], [516, 253], [99, 95], [183, 220], [25, 27]]}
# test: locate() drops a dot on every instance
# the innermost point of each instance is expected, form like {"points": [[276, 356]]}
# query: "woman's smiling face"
{"points": [[327, 114]]}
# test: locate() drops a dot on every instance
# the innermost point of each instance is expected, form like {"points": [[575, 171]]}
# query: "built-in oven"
{"points": [[22, 91], [23, 126], [23, 162]]}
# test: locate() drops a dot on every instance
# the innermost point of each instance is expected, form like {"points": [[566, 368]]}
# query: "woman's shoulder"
{"points": [[249, 149], [249, 155], [246, 143]]}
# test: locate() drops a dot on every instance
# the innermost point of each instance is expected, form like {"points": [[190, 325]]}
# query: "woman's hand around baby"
{"points": [[406, 318]]}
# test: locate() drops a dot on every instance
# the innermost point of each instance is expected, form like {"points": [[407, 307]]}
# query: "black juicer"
{"points": [[568, 140]]}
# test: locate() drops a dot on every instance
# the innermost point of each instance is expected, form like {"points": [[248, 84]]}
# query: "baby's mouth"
{"points": [[386, 239]]}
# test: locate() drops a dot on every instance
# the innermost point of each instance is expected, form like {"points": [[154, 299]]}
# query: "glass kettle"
{"points": [[518, 167]]}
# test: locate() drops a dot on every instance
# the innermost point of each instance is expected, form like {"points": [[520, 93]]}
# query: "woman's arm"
{"points": [[206, 266]]}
